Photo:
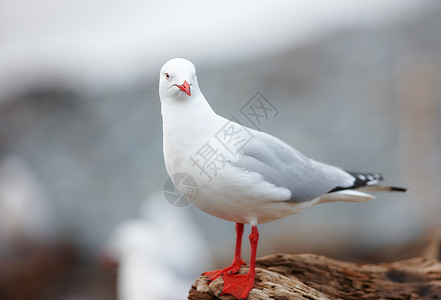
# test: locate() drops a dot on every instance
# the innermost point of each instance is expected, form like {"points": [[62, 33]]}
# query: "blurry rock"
{"points": [[309, 276], [35, 271]]}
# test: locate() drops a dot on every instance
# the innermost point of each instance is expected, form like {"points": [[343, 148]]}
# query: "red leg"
{"points": [[240, 285], [237, 261]]}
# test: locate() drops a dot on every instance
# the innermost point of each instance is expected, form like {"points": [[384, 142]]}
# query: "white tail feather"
{"points": [[380, 188], [347, 196]]}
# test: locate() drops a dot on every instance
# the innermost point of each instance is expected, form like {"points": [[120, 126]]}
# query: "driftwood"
{"points": [[308, 276]]}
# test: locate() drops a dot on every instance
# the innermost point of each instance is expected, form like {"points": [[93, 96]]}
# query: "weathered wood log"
{"points": [[309, 276]]}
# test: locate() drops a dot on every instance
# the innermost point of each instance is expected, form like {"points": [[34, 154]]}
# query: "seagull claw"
{"points": [[238, 285]]}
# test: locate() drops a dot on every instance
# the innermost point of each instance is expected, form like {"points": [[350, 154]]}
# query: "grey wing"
{"points": [[283, 166]]}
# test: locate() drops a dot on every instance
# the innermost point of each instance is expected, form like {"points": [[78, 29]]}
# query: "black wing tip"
{"points": [[398, 189], [364, 179], [360, 180], [366, 176], [370, 178]]}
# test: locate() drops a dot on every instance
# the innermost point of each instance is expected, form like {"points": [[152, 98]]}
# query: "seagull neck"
{"points": [[186, 109], [180, 120]]}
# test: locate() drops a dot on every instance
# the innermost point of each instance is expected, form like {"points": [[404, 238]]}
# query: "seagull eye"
{"points": [[167, 76]]}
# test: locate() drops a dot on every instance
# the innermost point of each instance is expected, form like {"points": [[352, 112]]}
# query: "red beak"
{"points": [[185, 87]]}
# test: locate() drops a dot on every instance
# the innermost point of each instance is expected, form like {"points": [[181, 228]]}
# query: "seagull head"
{"points": [[177, 79]]}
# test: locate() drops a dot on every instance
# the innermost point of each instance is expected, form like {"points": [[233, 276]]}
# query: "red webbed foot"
{"points": [[237, 261], [233, 269], [238, 285]]}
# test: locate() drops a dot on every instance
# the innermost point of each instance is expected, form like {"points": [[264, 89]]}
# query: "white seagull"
{"points": [[239, 174]]}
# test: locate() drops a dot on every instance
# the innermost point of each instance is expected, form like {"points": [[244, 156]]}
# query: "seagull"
{"points": [[242, 175]]}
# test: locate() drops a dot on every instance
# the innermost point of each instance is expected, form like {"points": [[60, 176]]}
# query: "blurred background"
{"points": [[355, 83]]}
